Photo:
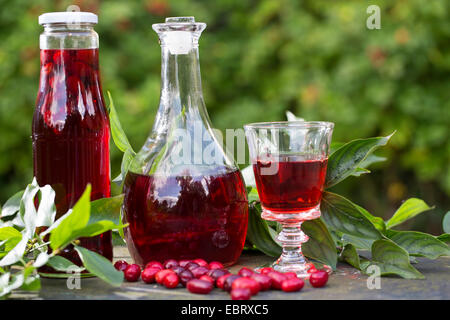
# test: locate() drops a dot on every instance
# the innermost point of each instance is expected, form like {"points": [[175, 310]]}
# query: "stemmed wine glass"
{"points": [[289, 161]]}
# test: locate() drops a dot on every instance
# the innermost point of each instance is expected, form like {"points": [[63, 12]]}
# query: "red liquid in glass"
{"points": [[71, 134], [296, 187], [185, 217]]}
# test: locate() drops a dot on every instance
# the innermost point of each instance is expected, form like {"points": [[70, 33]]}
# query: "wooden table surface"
{"points": [[345, 283]]}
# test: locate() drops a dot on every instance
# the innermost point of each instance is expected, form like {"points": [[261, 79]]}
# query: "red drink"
{"points": [[71, 134], [185, 217], [296, 187]]}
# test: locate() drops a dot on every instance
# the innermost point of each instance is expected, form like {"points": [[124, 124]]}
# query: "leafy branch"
{"points": [[28, 232]]}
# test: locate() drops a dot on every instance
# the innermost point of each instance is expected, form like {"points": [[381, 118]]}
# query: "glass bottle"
{"points": [[70, 130], [184, 196]]}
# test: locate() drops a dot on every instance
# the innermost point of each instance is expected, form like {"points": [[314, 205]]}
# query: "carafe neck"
{"points": [[181, 88], [180, 79]]}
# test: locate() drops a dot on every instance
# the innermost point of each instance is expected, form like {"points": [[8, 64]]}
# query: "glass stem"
{"points": [[292, 260], [291, 238]]}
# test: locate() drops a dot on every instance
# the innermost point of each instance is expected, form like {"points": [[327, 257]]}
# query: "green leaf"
{"points": [[357, 242], [320, 245], [32, 283], [41, 259], [127, 159], [350, 255], [28, 209], [106, 209], [345, 160], [94, 229], [121, 141], [371, 159], [15, 254], [419, 244], [446, 222], [376, 221], [360, 171], [119, 137], [9, 237], [100, 266], [7, 233], [46, 212], [12, 205], [9, 283], [444, 238], [341, 215], [252, 195], [77, 219], [258, 232], [409, 209], [292, 117], [335, 145], [392, 260], [62, 264]]}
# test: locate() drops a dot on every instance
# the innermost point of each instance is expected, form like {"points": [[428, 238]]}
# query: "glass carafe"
{"points": [[70, 129], [184, 196]]}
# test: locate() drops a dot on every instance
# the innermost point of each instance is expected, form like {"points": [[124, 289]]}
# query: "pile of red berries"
{"points": [[199, 276]]}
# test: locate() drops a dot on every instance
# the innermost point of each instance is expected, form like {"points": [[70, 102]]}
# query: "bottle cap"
{"points": [[68, 17]]}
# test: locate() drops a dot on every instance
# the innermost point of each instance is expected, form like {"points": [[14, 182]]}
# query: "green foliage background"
{"points": [[315, 58]]}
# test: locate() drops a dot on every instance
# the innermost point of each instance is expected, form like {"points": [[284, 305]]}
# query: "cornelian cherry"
{"points": [[245, 272], [217, 273], [264, 281], [266, 270], [290, 275], [171, 281], [191, 265], [199, 286], [229, 282], [169, 264], [318, 279], [121, 265], [183, 263], [199, 271], [215, 265], [161, 274], [201, 263], [240, 294], [220, 282], [246, 283], [154, 264], [207, 278], [277, 279], [292, 284], [148, 275], [185, 276], [132, 273]]}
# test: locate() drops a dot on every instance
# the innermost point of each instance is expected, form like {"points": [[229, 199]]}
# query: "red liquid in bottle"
{"points": [[185, 217], [296, 187], [71, 134]]}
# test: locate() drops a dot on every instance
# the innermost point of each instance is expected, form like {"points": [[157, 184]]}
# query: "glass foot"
{"points": [[301, 272], [291, 239], [300, 269]]}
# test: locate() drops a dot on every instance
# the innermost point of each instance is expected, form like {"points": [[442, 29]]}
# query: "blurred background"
{"points": [[259, 59]]}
